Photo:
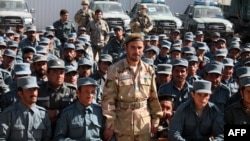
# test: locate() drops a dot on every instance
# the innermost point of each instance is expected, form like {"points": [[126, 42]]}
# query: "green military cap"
{"points": [[202, 86], [133, 37], [164, 69], [167, 97], [27, 82], [86, 81], [56, 64]]}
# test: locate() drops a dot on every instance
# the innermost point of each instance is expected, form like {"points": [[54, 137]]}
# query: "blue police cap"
{"points": [[149, 61], [72, 36], [200, 45], [79, 47], [222, 40], [31, 28], [199, 32], [202, 86], [49, 33], [244, 50], [86, 81], [189, 38], [166, 44], [29, 49], [85, 61], [41, 49], [236, 39], [177, 42], [153, 48], [56, 64], [221, 52], [22, 68], [106, 58], [10, 53], [12, 44], [154, 37], [9, 31], [174, 48], [188, 50], [180, 62], [214, 68], [162, 36], [234, 45], [69, 45], [39, 58], [228, 62], [167, 97], [192, 58], [82, 28], [245, 82], [164, 69], [70, 69], [243, 72], [44, 40], [49, 28], [2, 43], [27, 82]]}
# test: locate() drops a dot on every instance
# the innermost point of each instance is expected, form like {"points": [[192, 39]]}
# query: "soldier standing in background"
{"points": [[98, 30], [84, 15], [130, 102], [142, 22], [64, 26]]}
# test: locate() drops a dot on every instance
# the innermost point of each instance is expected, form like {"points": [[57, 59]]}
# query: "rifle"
{"points": [[143, 25]]}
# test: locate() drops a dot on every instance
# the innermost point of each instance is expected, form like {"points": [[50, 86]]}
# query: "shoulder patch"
{"points": [[109, 83]]}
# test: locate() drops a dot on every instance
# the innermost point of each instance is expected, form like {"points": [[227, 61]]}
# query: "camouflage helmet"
{"points": [[143, 6]]}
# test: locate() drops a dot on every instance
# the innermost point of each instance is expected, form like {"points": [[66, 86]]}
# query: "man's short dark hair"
{"points": [[63, 12], [98, 11]]}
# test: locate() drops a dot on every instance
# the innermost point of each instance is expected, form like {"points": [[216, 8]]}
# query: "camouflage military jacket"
{"points": [[83, 17], [124, 91], [141, 24]]}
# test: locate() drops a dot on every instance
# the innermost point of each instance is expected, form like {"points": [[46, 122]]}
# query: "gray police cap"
{"points": [[200, 45], [164, 69], [39, 58], [221, 52], [166, 44], [106, 58], [202, 86], [191, 58], [85, 82], [69, 69], [12, 44], [44, 40], [149, 61], [153, 48], [69, 45], [10, 53], [22, 68], [56, 64], [228, 62], [214, 68], [41, 49], [243, 72], [188, 50], [85, 61], [245, 82], [180, 62], [31, 28], [27, 82]]}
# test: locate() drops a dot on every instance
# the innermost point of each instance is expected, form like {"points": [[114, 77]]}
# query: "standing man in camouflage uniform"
{"points": [[64, 26], [142, 22], [98, 30], [84, 15], [130, 103]]}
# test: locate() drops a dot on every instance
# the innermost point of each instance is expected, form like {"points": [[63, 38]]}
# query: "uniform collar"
{"points": [[82, 108], [23, 108]]}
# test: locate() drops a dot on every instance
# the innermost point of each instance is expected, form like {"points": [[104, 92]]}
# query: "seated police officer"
{"points": [[25, 120]]}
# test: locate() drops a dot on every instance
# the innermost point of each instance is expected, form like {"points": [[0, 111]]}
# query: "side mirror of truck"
{"points": [[190, 15], [177, 14], [32, 10]]}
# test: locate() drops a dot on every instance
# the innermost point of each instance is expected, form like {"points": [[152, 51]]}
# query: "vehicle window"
{"points": [[13, 5], [158, 10], [109, 8], [208, 12]]}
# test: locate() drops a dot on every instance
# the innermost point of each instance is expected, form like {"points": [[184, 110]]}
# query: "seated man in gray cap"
{"points": [[184, 123], [220, 92], [105, 60], [83, 114], [192, 69], [40, 68], [163, 56], [69, 55], [55, 94], [178, 85], [71, 75], [238, 113], [9, 57], [116, 44], [11, 97], [25, 120], [163, 74]]}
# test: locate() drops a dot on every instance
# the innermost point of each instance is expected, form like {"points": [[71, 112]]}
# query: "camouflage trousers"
{"points": [[142, 137], [97, 50]]}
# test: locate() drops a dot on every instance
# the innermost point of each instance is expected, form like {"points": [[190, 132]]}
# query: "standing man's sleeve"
{"points": [[109, 98], [106, 34], [154, 104]]}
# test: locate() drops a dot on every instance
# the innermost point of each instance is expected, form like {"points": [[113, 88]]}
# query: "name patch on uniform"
{"points": [[124, 77], [67, 99], [109, 84], [43, 98]]}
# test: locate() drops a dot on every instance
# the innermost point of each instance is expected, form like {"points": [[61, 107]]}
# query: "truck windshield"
{"points": [[157, 9], [13, 6], [109, 7], [208, 12]]}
